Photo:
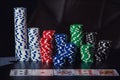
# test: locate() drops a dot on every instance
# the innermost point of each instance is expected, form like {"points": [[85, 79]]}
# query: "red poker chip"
{"points": [[47, 60], [45, 50], [47, 46], [46, 55], [45, 40], [48, 34]]}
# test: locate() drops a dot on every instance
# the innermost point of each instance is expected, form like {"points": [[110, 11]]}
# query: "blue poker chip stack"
{"points": [[65, 51], [33, 41], [20, 30], [59, 59], [61, 40], [70, 52]]}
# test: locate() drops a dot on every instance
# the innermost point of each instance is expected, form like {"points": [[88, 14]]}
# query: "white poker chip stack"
{"points": [[33, 40], [20, 30], [23, 54]]}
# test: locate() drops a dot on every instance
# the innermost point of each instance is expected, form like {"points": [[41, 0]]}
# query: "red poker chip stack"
{"points": [[46, 46]]}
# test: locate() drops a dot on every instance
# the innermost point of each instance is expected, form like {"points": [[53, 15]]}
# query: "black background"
{"points": [[102, 16]]}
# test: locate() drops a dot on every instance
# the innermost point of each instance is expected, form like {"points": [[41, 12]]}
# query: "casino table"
{"points": [[10, 63]]}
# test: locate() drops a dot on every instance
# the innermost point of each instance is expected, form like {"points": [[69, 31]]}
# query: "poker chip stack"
{"points": [[33, 40], [65, 51], [70, 52], [76, 34], [103, 49], [46, 46], [86, 53], [59, 59], [60, 40], [91, 38], [20, 29]]}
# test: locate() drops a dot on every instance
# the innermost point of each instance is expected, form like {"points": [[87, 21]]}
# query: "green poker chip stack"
{"points": [[86, 53], [76, 34]]}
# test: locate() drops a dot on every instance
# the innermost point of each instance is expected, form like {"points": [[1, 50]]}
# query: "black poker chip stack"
{"points": [[103, 49]]}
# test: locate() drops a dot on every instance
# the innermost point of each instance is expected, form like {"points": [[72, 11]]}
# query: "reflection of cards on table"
{"points": [[96, 72], [63, 72], [108, 72], [31, 72], [45, 72], [83, 72]]}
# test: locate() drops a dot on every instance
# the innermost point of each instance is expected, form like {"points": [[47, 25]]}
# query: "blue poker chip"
{"points": [[58, 61], [70, 52], [61, 40]]}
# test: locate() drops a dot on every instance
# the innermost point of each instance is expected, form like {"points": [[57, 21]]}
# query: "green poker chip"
{"points": [[86, 53], [74, 26], [76, 34]]}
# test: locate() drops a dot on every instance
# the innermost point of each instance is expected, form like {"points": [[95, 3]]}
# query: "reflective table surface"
{"points": [[9, 63]]}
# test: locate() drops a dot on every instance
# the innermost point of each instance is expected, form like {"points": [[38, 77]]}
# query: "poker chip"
{"points": [[33, 42], [68, 55], [59, 61], [86, 53], [33, 38], [91, 38], [65, 51], [103, 49], [20, 28], [76, 34], [48, 34], [47, 60], [60, 40], [20, 31], [23, 54], [42, 49], [35, 54], [46, 46], [70, 52]]}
